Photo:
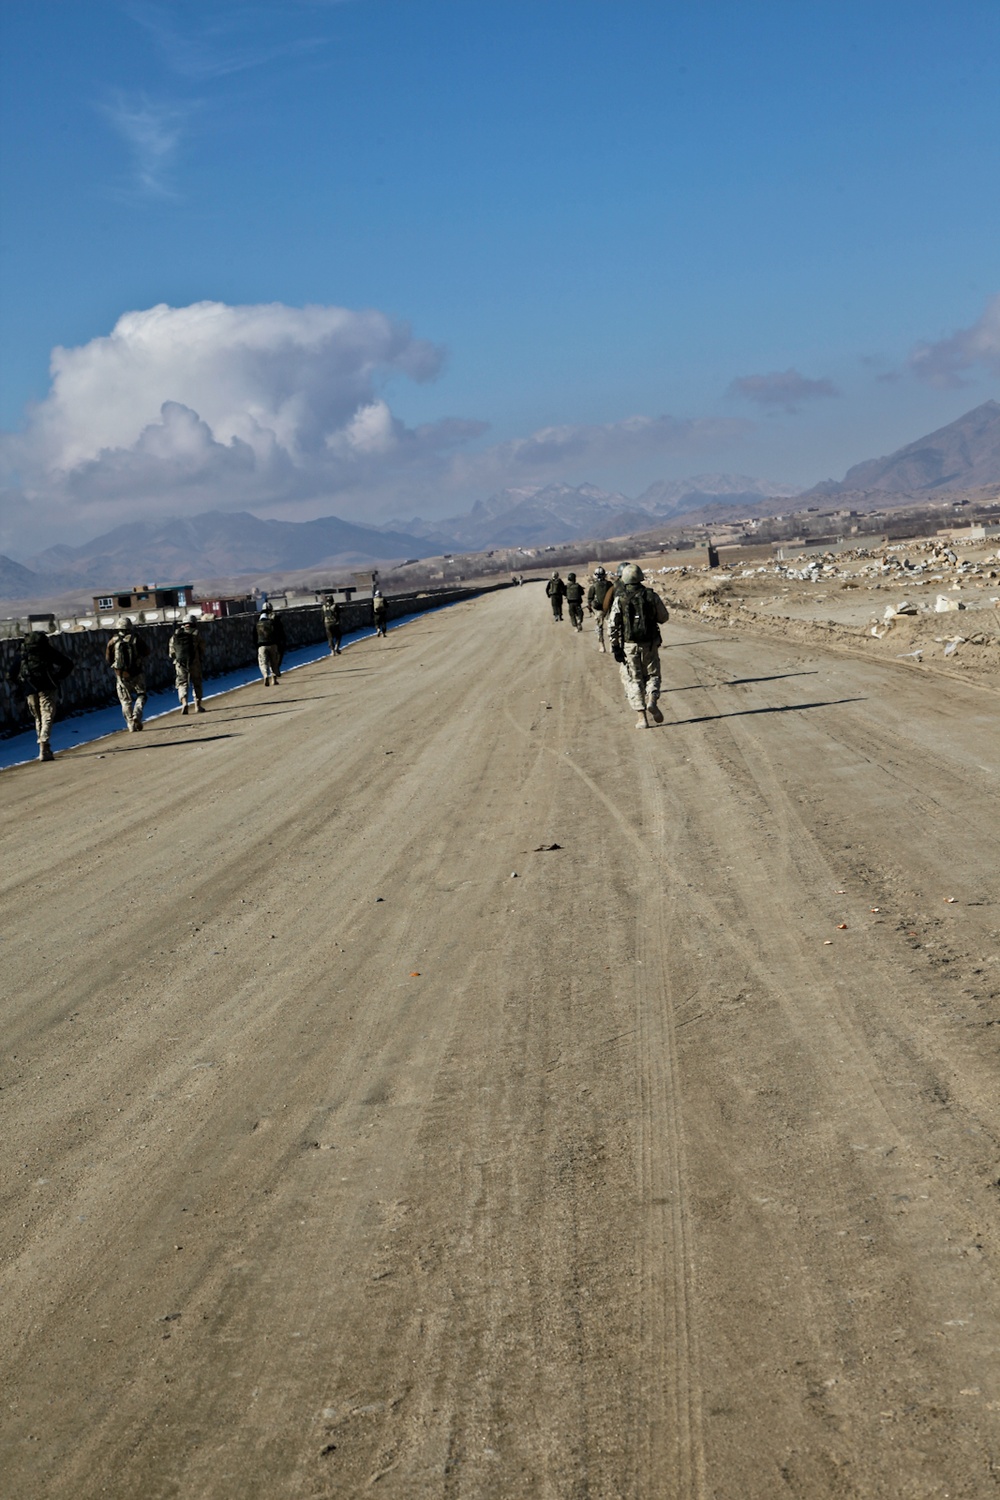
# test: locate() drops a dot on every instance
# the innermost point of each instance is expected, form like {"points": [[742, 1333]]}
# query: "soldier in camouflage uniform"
{"points": [[634, 621], [574, 601], [556, 591], [595, 604], [187, 652], [380, 613], [270, 644], [37, 670], [331, 624], [126, 653]]}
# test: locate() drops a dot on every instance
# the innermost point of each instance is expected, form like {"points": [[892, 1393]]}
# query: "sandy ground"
{"points": [[338, 1159]]}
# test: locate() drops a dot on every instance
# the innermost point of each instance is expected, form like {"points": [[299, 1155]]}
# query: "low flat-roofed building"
{"points": [[146, 596], [219, 609]]}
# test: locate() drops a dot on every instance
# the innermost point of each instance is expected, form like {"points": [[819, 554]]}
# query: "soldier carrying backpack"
{"points": [[270, 644], [596, 595], [186, 652], [332, 624], [556, 591], [574, 601], [37, 670], [634, 621], [126, 654]]}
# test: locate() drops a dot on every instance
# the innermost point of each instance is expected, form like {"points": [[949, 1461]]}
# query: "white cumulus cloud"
{"points": [[275, 409]]}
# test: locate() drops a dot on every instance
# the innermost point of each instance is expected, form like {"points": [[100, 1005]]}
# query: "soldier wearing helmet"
{"points": [[634, 621], [126, 654], [596, 595], [270, 644], [186, 651], [574, 601], [556, 590]]}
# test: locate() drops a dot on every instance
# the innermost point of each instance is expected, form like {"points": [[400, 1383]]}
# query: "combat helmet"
{"points": [[631, 573]]}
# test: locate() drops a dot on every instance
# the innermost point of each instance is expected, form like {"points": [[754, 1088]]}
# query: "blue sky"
{"points": [[602, 240]]}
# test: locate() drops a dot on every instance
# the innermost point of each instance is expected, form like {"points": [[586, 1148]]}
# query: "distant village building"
{"points": [[220, 609], [148, 596]]}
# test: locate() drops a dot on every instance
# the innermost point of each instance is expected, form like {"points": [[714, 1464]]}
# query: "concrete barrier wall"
{"points": [[229, 643]]}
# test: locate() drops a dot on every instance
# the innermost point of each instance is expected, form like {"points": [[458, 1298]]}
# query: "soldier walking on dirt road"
{"points": [[37, 670], [126, 654], [574, 601], [186, 653], [596, 595], [331, 624], [556, 590], [634, 621], [270, 644], [380, 613]]}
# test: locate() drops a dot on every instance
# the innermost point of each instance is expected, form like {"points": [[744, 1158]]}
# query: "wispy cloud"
{"points": [[224, 42], [781, 390], [152, 131], [946, 362]]}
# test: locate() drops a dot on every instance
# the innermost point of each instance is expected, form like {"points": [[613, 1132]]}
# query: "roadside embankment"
{"points": [[884, 622]]}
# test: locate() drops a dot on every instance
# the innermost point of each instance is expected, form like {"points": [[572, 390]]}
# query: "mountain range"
{"points": [[963, 455], [224, 544]]}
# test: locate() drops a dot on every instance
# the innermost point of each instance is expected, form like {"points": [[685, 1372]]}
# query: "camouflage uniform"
{"points": [[37, 671], [187, 653], [638, 661], [574, 601], [42, 706], [331, 624], [380, 614], [126, 652], [595, 603], [270, 645], [556, 590]]}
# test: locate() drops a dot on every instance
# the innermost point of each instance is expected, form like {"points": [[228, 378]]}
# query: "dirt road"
{"points": [[336, 1157]]}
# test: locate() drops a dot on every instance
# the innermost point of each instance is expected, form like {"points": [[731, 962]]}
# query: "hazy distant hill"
{"points": [[533, 517], [963, 455], [18, 582], [219, 544], [676, 497]]}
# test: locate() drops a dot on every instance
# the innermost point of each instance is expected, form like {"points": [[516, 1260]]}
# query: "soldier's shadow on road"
{"points": [[782, 708], [270, 713], [202, 739], [775, 677], [738, 681]]}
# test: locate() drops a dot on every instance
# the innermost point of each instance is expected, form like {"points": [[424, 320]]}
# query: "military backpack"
{"points": [[41, 667], [126, 653], [184, 647], [638, 607], [266, 631]]}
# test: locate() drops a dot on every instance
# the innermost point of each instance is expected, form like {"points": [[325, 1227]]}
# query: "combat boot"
{"points": [[184, 708], [199, 708], [45, 751], [655, 712]]}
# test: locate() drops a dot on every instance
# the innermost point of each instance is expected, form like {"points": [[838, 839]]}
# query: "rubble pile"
{"points": [[831, 594]]}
